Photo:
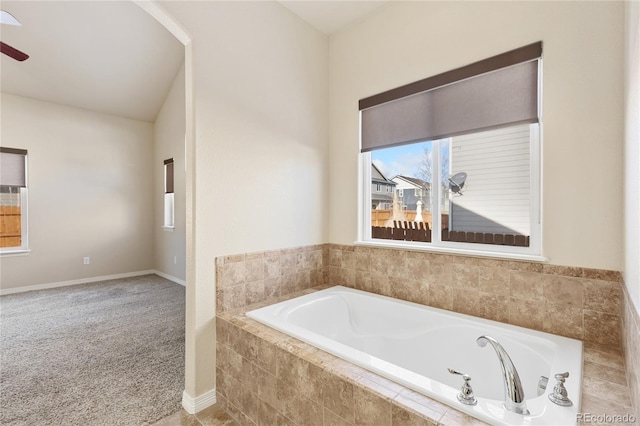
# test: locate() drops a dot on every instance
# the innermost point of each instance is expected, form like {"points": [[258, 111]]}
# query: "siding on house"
{"points": [[496, 194], [413, 189], [381, 199]]}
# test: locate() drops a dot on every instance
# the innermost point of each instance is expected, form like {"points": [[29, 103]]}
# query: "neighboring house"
{"points": [[495, 199], [381, 190], [410, 190]]}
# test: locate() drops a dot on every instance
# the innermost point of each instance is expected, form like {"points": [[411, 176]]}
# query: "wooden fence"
{"points": [[10, 226], [420, 231], [381, 217]]}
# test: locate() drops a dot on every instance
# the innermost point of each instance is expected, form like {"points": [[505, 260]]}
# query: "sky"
{"points": [[401, 160]]}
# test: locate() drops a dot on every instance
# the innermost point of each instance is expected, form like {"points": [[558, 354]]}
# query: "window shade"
{"points": [[168, 176], [499, 91], [12, 167]]}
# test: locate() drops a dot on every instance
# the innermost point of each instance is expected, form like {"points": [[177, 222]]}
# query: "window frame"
{"points": [[533, 252], [169, 197], [24, 213]]}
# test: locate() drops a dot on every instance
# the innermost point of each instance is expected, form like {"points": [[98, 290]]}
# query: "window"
{"points": [[168, 194], [13, 200], [378, 187], [470, 140]]}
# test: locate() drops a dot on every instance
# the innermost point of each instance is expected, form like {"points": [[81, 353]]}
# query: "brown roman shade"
{"points": [[498, 91], [13, 167], [168, 176]]}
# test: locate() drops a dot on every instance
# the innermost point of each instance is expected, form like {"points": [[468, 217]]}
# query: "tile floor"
{"points": [[212, 416]]}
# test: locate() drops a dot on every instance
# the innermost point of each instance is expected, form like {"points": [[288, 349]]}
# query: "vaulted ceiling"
{"points": [[106, 56], [111, 56]]}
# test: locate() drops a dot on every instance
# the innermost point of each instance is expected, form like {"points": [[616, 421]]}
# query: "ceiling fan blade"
{"points": [[14, 53], [7, 18]]}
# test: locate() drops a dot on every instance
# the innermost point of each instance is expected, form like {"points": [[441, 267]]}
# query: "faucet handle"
{"points": [[465, 376], [465, 395], [559, 394]]}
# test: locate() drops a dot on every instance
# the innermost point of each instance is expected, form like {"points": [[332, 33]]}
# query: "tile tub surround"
{"points": [[265, 377], [582, 303], [244, 279]]}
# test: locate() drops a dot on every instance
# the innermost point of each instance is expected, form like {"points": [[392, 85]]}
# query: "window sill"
{"points": [[401, 245], [16, 252], [168, 228]]}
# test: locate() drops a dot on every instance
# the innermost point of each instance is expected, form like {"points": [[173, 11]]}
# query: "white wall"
{"points": [[169, 142], [88, 175], [582, 104], [632, 153], [260, 79]]}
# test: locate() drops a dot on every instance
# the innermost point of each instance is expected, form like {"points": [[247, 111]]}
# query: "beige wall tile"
{"points": [[254, 269], [370, 409], [602, 328], [464, 276], [493, 280], [565, 291], [603, 296], [526, 285], [564, 321], [267, 415], [338, 397], [231, 274], [495, 307], [255, 292], [425, 407], [441, 296], [332, 419], [527, 313]]}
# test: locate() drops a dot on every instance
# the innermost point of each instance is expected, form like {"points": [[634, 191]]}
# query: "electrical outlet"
{"points": [[86, 260], [175, 260]]}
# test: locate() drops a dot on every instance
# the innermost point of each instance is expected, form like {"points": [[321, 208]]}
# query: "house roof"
{"points": [[376, 175], [418, 183]]}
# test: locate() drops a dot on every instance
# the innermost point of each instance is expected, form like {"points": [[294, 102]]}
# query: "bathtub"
{"points": [[415, 345]]}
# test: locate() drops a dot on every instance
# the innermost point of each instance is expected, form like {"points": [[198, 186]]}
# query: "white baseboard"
{"points": [[171, 278], [74, 282], [193, 405]]}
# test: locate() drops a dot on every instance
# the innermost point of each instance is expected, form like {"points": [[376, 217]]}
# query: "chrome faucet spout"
{"points": [[513, 392]]}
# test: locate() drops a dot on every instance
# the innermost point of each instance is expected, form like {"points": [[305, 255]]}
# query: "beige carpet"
{"points": [[108, 353]]}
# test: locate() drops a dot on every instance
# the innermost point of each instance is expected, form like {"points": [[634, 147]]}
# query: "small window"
{"points": [[378, 187], [168, 194], [13, 200]]}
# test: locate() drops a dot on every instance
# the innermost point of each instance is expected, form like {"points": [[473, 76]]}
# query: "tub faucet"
{"points": [[513, 392]]}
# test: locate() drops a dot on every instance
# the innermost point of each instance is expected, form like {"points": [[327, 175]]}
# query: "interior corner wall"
{"points": [[260, 78], [89, 182], [632, 152], [169, 142], [582, 104]]}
